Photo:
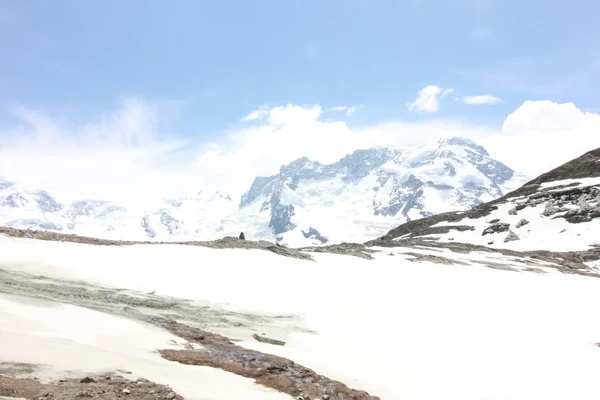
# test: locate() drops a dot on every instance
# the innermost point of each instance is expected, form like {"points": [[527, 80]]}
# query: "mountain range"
{"points": [[357, 198]]}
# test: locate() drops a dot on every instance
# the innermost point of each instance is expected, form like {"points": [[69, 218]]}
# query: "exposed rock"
{"points": [[225, 243], [496, 228], [512, 211], [268, 370], [351, 249], [264, 339], [312, 233], [242, 237], [511, 237], [416, 257], [13, 387], [522, 222], [87, 379]]}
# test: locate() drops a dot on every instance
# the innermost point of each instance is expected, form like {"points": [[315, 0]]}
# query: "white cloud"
{"points": [[541, 135], [351, 110], [481, 99], [429, 99], [347, 110], [121, 155], [257, 114]]}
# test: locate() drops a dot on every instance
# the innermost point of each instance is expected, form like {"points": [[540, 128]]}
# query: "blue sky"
{"points": [[191, 70], [222, 59]]}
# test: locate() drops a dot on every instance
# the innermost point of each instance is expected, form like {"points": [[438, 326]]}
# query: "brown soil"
{"points": [[95, 387], [268, 370]]}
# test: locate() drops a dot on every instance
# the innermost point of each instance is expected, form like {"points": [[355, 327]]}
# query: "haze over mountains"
{"points": [[357, 198]]}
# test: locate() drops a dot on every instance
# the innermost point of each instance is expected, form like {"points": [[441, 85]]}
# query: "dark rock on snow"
{"points": [[496, 228]]}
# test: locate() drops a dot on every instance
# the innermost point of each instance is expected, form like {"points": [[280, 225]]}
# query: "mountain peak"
{"points": [[298, 165], [462, 142]]}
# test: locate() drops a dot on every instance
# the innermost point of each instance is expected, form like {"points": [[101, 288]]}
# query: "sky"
{"points": [[137, 98]]}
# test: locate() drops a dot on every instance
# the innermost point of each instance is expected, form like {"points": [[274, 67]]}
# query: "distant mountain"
{"points": [[557, 211], [307, 203], [371, 190]]}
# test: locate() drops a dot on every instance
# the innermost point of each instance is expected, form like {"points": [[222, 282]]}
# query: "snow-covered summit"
{"points": [[557, 211], [374, 189]]}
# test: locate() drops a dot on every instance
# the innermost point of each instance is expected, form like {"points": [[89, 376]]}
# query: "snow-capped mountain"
{"points": [[372, 190], [557, 211], [355, 199], [183, 218]]}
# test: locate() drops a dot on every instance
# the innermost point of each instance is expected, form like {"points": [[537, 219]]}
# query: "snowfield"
{"points": [[395, 328], [65, 339]]}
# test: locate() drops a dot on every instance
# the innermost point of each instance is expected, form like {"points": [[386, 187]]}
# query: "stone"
{"points": [[171, 396], [511, 237], [522, 222], [512, 211], [126, 391], [242, 236], [496, 228], [264, 339], [87, 379]]}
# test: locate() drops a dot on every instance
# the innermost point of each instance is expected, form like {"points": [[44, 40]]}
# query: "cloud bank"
{"points": [[121, 155]]}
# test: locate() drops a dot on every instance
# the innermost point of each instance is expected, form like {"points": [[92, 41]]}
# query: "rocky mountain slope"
{"points": [[372, 190], [307, 203], [559, 210]]}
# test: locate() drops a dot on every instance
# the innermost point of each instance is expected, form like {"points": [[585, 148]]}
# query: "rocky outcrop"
{"points": [[312, 233], [511, 237], [496, 228]]}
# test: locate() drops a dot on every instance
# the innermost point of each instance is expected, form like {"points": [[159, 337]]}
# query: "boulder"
{"points": [[496, 228], [522, 222], [511, 237], [264, 339]]}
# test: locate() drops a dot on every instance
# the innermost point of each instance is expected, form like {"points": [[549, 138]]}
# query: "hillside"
{"points": [[559, 210]]}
